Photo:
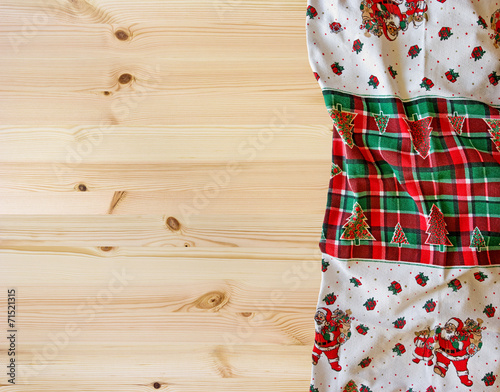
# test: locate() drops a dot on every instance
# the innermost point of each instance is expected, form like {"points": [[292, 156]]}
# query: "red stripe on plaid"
{"points": [[425, 255]]}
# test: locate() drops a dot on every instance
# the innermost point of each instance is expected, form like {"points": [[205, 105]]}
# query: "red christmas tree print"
{"points": [[356, 228], [343, 124], [494, 125], [437, 230], [399, 236], [457, 122], [477, 240], [420, 133], [381, 121]]}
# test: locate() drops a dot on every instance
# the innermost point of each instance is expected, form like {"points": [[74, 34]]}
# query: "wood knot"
{"points": [[222, 363], [121, 35], [173, 224], [117, 197], [107, 92], [246, 314], [125, 78], [187, 244], [106, 248], [212, 301], [156, 385], [82, 187]]}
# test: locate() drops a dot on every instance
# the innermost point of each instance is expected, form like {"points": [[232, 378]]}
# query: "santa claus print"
{"points": [[495, 26], [416, 12], [332, 330], [456, 343], [386, 17], [424, 341]]}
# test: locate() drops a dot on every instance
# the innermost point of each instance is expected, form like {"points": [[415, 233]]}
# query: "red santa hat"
{"points": [[456, 322], [327, 312]]}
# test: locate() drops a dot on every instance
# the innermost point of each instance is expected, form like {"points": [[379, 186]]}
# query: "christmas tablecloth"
{"points": [[411, 236]]}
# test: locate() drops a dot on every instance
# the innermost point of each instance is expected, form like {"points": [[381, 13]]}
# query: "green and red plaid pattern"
{"points": [[443, 193]]}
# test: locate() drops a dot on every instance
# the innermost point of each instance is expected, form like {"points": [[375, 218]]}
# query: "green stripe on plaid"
{"points": [[392, 142], [422, 107], [356, 168]]}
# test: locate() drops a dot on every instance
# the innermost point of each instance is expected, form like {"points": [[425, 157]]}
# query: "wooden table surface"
{"points": [[164, 169]]}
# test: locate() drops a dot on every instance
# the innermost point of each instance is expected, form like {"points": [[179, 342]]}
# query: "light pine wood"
{"points": [[164, 170]]}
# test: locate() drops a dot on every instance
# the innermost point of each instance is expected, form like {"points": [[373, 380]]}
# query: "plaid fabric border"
{"points": [[413, 181]]}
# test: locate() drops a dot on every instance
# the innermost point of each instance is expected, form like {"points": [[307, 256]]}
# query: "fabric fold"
{"points": [[411, 232]]}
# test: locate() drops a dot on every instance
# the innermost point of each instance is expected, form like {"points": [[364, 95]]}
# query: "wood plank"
{"points": [[228, 202], [276, 141], [164, 363], [190, 280], [234, 253], [241, 175], [166, 27], [240, 343], [177, 385], [237, 107], [149, 230], [171, 59]]}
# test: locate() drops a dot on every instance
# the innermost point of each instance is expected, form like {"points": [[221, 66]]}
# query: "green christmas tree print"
{"points": [[477, 240], [437, 230], [399, 236], [381, 121], [494, 125], [356, 228], [420, 133], [343, 124], [457, 122]]}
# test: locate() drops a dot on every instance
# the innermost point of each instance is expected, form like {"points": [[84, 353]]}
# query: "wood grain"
{"points": [[164, 170], [197, 319]]}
